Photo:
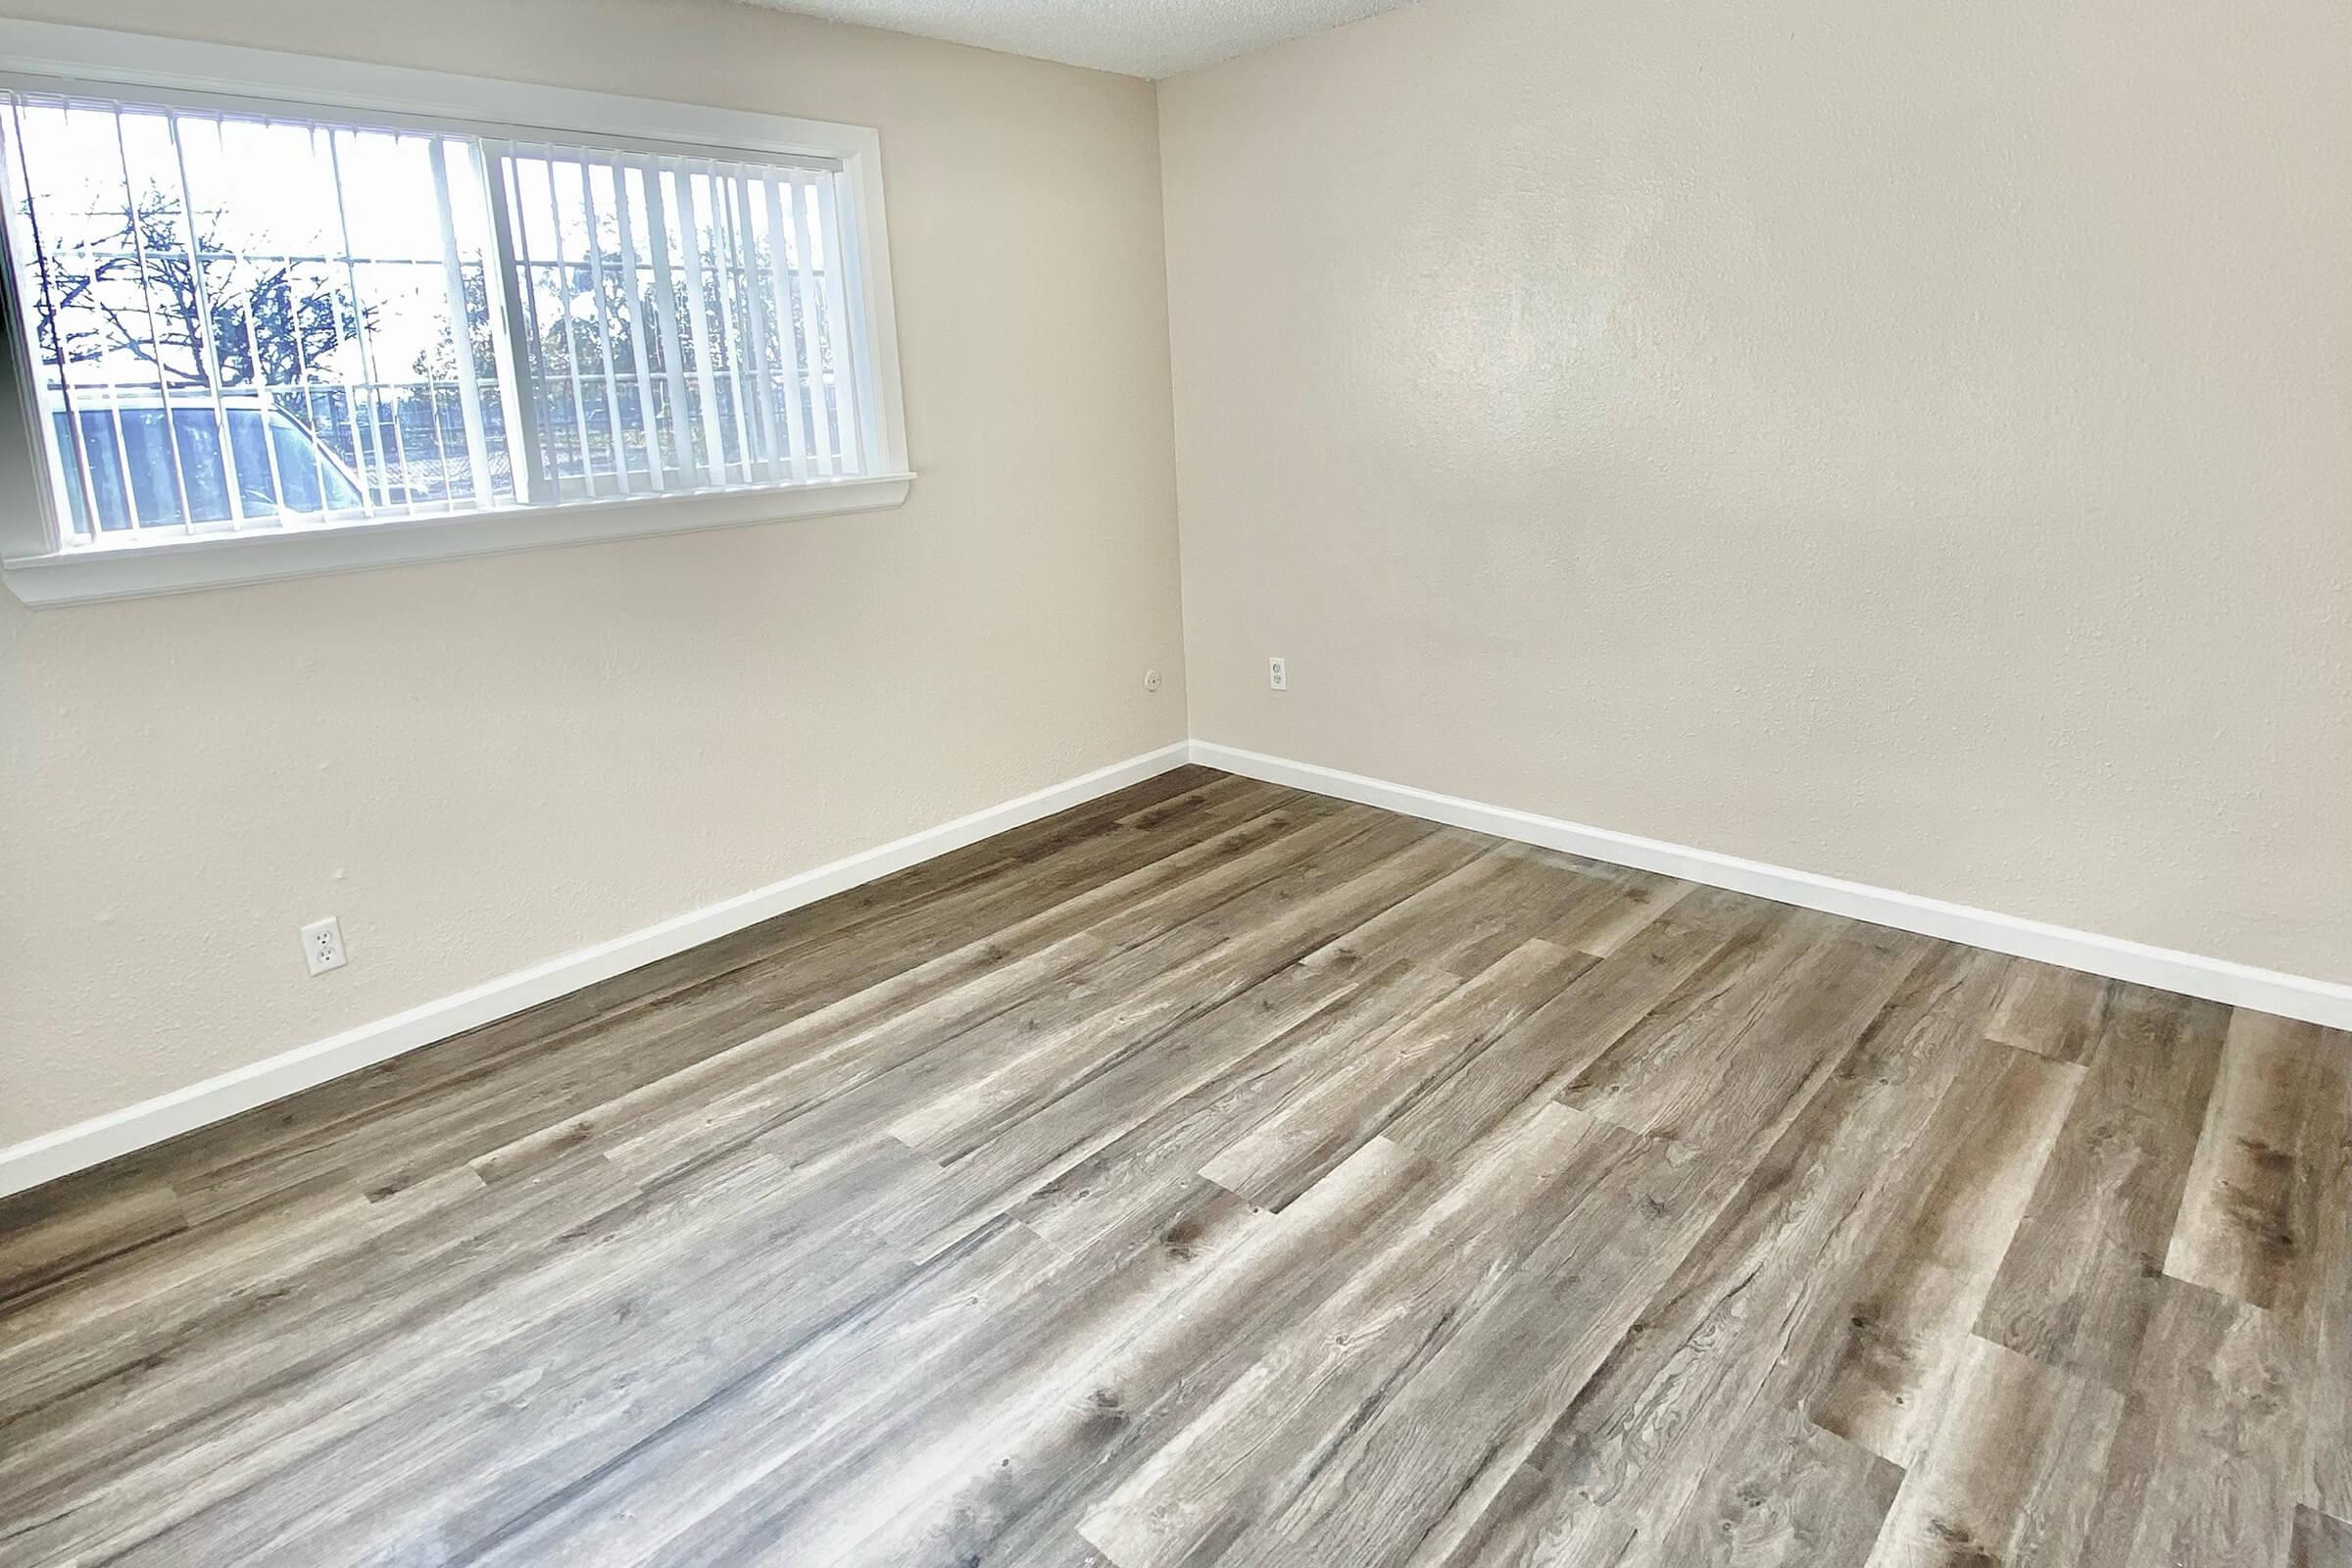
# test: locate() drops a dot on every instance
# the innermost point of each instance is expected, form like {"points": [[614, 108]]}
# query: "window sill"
{"points": [[183, 565]]}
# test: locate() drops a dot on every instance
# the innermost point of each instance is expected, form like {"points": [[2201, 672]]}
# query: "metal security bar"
{"points": [[241, 317], [250, 319], [683, 320]]}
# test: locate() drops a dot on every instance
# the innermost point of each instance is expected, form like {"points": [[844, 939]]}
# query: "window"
{"points": [[689, 311], [255, 335]]}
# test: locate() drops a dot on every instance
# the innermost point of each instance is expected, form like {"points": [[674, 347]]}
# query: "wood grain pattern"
{"points": [[45, 1235], [1537, 1058], [2237, 1232], [1217, 1174], [1936, 1245], [2320, 1541], [1784, 1494], [2318, 1300], [2079, 1284], [1283, 1156], [1270, 1432], [2013, 1472], [2203, 1469], [2051, 1012], [1761, 1296]]}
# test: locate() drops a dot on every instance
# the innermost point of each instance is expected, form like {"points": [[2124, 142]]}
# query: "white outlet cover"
{"points": [[322, 945], [1278, 674]]}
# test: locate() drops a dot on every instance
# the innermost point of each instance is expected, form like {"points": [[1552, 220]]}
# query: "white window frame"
{"points": [[41, 570]]}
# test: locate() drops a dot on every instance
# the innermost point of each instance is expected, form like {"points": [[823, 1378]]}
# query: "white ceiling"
{"points": [[1152, 39]]}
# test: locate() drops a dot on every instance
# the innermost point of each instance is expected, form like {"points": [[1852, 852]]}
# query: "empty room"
{"points": [[1175, 784]]}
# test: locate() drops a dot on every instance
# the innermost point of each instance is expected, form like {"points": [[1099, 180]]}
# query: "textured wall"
{"points": [[483, 765], [1909, 443]]}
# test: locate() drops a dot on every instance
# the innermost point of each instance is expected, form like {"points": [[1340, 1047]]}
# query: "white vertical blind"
{"points": [[635, 317], [685, 319], [453, 282], [248, 316]]}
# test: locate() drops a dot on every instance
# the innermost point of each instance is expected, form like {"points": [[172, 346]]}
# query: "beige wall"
{"points": [[483, 765], [1902, 443], [1911, 443]]}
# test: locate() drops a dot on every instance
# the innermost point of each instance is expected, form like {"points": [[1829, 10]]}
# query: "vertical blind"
{"points": [[247, 317], [685, 317], [238, 320]]}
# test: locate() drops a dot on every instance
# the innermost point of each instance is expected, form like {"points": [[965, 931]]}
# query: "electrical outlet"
{"points": [[322, 945], [1278, 675], [1150, 680]]}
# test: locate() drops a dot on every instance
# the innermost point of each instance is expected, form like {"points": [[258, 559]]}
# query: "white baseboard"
{"points": [[2321, 1002], [59, 1153], [71, 1149]]}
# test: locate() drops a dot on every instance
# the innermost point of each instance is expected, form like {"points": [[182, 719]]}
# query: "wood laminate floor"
{"points": [[1221, 1174]]}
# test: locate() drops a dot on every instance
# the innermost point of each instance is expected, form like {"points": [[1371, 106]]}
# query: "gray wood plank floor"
{"points": [[1219, 1174]]}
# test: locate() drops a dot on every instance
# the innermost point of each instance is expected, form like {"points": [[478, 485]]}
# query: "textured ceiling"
{"points": [[1138, 37]]}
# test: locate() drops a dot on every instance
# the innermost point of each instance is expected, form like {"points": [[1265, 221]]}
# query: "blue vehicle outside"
{"points": [[130, 468]]}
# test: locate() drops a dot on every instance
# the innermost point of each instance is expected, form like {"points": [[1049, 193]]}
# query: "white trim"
{"points": [[176, 564], [60, 1153], [43, 571], [473, 104], [2321, 1002]]}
